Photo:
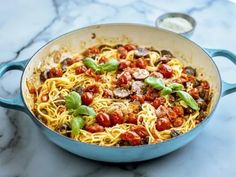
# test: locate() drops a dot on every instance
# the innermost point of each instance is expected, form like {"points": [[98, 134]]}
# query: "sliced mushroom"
{"points": [[202, 104], [43, 75], [138, 87], [121, 92], [141, 52], [140, 74], [167, 53], [175, 133], [190, 71], [164, 59]]}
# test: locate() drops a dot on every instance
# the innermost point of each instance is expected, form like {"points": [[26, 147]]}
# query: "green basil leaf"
{"points": [[90, 63], [73, 100], [188, 99], [156, 83], [176, 86], [166, 91], [85, 110], [112, 65], [76, 124]]}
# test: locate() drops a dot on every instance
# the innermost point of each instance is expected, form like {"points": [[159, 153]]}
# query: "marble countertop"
{"points": [[27, 25]]}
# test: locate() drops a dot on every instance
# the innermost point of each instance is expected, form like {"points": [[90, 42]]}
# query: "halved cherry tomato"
{"points": [[178, 122], [124, 79], [107, 93], [87, 98], [103, 60], [132, 137], [122, 52], [117, 117], [166, 70], [124, 64], [140, 130], [92, 88], [140, 63], [158, 101], [103, 119], [130, 47], [161, 111], [178, 110], [205, 85], [139, 98], [194, 93], [80, 70], [54, 72], [132, 118], [171, 114], [94, 128], [91, 51], [163, 124]]}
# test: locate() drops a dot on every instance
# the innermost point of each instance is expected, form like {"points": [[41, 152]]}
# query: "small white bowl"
{"points": [[190, 19]]}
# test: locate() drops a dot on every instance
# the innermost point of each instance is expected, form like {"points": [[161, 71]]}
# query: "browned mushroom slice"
{"points": [[167, 53], [138, 87], [141, 52], [121, 92], [140, 74]]}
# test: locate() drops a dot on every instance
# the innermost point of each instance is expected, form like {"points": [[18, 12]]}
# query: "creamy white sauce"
{"points": [[176, 24]]}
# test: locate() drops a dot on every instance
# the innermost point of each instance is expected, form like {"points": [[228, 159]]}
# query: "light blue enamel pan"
{"points": [[75, 41]]}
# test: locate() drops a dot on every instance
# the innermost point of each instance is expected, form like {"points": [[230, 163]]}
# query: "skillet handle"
{"points": [[227, 88], [17, 102]]}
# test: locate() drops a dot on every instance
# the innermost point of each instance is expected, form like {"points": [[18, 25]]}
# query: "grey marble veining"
{"points": [[27, 25]]}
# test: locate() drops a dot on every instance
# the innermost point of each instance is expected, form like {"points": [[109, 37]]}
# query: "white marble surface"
{"points": [[27, 25]]}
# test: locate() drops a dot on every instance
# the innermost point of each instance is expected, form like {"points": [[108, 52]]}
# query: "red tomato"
{"points": [[205, 85], [132, 118], [117, 117], [122, 52], [44, 98], [166, 70], [91, 51], [54, 72], [163, 124], [139, 98], [87, 98], [179, 110], [103, 60], [140, 130], [178, 122], [132, 137], [107, 93], [124, 64], [124, 79], [92, 88], [158, 101], [103, 119], [140, 63], [171, 114], [156, 74], [94, 128], [161, 111], [80, 70], [194, 93], [130, 47]]}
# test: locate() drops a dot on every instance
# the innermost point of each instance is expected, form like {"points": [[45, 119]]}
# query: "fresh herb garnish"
{"points": [[188, 99], [74, 104], [73, 100], [156, 83], [85, 110], [76, 124], [159, 84], [111, 65]]}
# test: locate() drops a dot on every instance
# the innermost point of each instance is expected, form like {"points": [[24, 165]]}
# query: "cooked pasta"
{"points": [[120, 95]]}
